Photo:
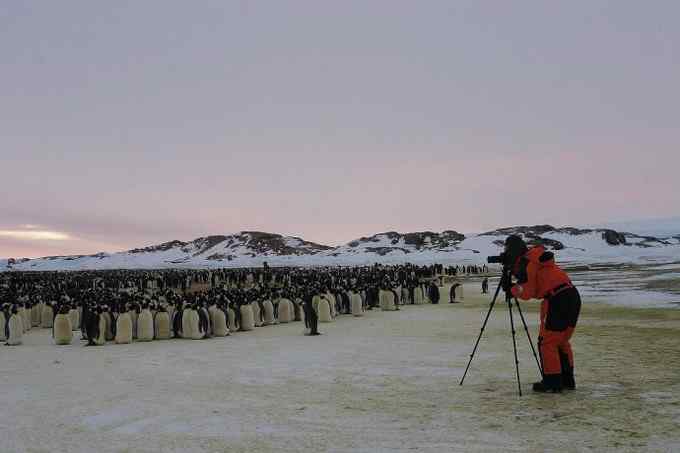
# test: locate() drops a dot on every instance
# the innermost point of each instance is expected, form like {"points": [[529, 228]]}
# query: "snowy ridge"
{"points": [[252, 248]]}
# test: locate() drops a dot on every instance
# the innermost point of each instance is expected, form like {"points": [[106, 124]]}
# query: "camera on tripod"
{"points": [[497, 259]]}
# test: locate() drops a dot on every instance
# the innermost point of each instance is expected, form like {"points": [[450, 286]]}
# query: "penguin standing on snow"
{"points": [[145, 324], [203, 321], [195, 323], [124, 328], [247, 317], [101, 319], [14, 328], [35, 314], [75, 318], [232, 320], [177, 319], [47, 316], [62, 332], [268, 313], [219, 320], [187, 323], [161, 324], [257, 313], [355, 303], [95, 326], [4, 316], [323, 308], [311, 318]]}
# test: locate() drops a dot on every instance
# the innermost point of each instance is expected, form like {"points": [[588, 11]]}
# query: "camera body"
{"points": [[496, 259]]}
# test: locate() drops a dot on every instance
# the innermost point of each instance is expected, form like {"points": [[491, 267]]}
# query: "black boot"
{"points": [[568, 381], [552, 383]]}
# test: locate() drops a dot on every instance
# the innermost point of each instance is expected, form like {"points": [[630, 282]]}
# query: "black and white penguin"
{"points": [[145, 324], [47, 316], [74, 316], [285, 311], [36, 310], [25, 315], [204, 322], [4, 316], [268, 315], [101, 319], [323, 308], [196, 326], [109, 326], [247, 317], [257, 313], [124, 328], [356, 303], [177, 319], [14, 329], [232, 319], [219, 322], [62, 330], [162, 324], [187, 323], [134, 316], [387, 300]]}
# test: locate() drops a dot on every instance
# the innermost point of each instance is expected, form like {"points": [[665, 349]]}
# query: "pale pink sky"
{"points": [[128, 124]]}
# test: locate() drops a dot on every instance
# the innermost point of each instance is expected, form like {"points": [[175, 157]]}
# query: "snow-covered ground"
{"points": [[387, 382]]}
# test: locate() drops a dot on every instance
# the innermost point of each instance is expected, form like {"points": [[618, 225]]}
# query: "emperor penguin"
{"points": [[134, 316], [187, 323], [247, 317], [204, 322], [232, 318], [62, 330], [418, 298], [177, 318], [219, 321], [14, 329], [298, 313], [268, 315], [285, 311], [196, 325], [355, 303], [145, 324], [332, 304], [257, 313], [101, 320], [386, 300], [4, 311], [74, 316], [108, 323], [405, 296], [124, 328], [25, 315], [162, 324], [47, 316], [35, 314], [324, 309]]}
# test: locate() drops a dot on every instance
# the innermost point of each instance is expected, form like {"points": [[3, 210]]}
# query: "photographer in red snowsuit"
{"points": [[538, 277]]}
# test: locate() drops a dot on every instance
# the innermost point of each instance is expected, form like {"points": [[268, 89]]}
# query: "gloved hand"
{"points": [[516, 290]]}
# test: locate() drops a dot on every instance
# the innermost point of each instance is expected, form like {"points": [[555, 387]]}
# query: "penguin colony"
{"points": [[123, 307]]}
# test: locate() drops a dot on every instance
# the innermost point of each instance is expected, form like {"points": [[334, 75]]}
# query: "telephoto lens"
{"points": [[496, 259]]}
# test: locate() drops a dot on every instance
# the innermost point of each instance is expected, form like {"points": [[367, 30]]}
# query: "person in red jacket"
{"points": [[539, 277]]}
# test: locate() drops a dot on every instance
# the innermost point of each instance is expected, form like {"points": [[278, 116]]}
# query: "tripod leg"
{"points": [[514, 344], [479, 337], [531, 343]]}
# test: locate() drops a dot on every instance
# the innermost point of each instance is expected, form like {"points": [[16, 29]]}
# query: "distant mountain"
{"points": [[252, 248], [662, 228]]}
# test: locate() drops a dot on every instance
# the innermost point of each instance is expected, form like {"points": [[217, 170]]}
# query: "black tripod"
{"points": [[505, 284]]}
